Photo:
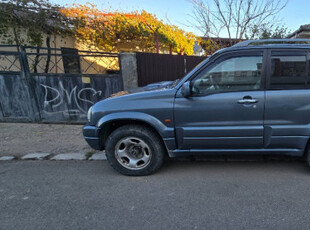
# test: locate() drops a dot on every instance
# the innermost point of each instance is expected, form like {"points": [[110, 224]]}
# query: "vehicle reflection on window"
{"points": [[234, 74]]}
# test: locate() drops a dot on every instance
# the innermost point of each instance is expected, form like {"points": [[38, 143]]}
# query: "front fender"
{"points": [[164, 131]]}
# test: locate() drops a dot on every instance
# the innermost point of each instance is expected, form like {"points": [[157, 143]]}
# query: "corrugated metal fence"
{"points": [[153, 67]]}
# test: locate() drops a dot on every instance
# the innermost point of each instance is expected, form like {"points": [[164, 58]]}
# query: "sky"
{"points": [[296, 13]]}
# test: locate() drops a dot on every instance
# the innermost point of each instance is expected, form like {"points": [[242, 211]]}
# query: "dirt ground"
{"points": [[21, 138]]}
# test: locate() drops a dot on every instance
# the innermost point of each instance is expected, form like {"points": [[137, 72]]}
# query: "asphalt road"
{"points": [[182, 195]]}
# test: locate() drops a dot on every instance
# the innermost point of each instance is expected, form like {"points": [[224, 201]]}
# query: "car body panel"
{"points": [[215, 124], [218, 121], [152, 107], [287, 118]]}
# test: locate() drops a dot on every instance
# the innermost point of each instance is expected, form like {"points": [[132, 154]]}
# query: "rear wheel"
{"points": [[135, 150]]}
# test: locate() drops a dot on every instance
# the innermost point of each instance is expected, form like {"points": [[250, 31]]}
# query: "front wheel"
{"points": [[135, 150]]}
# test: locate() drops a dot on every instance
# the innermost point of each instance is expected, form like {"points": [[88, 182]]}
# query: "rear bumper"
{"points": [[91, 136]]}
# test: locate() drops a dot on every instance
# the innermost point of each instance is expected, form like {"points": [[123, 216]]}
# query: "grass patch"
{"points": [[89, 154]]}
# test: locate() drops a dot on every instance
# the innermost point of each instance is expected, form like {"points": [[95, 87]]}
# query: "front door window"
{"points": [[233, 74]]}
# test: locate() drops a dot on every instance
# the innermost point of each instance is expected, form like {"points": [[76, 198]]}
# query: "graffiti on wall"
{"points": [[69, 102]]}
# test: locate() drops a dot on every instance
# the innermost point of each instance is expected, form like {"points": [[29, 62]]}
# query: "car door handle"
{"points": [[247, 101]]}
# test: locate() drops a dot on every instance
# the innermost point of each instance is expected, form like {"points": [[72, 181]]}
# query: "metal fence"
{"points": [[54, 85], [153, 67]]}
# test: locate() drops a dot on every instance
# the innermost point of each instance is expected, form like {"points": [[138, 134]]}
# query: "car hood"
{"points": [[144, 99], [153, 86], [149, 87]]}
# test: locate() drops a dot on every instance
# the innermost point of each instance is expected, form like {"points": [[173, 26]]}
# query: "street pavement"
{"points": [[182, 195]]}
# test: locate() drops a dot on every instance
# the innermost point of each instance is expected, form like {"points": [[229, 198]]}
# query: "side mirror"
{"points": [[186, 89]]}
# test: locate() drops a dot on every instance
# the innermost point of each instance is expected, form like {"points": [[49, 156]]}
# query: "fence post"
{"points": [[185, 70], [26, 77], [128, 69]]}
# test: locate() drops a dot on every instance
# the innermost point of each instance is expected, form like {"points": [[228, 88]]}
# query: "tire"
{"points": [[135, 150], [307, 155]]}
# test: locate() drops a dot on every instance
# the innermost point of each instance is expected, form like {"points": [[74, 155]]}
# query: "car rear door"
{"points": [[287, 116]]}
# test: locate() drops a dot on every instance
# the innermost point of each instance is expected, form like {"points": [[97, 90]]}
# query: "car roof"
{"points": [[255, 45], [268, 44]]}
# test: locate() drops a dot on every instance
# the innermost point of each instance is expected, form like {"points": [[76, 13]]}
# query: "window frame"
{"points": [[287, 52], [229, 55]]}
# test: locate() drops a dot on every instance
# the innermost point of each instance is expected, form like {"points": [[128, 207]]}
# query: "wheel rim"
{"points": [[133, 153]]}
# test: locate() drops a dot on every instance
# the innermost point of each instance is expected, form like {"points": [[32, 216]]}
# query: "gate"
{"points": [[54, 85], [153, 67], [16, 100]]}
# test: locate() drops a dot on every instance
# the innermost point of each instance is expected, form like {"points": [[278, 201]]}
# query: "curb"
{"points": [[101, 156], [98, 156]]}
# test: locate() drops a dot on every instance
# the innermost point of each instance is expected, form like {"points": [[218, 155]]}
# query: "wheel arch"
{"points": [[109, 123]]}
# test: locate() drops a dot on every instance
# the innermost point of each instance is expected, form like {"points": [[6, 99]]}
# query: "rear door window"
{"points": [[289, 70]]}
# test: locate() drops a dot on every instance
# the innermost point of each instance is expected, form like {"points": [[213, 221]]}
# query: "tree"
{"points": [[34, 17], [236, 18], [268, 32], [106, 30]]}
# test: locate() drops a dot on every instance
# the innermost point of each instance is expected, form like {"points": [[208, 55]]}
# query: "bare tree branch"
{"points": [[235, 18]]}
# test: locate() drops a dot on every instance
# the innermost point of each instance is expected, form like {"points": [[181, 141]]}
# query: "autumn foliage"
{"points": [[106, 30]]}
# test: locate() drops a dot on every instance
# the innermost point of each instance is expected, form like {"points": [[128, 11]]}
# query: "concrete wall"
{"points": [[128, 65], [56, 41]]}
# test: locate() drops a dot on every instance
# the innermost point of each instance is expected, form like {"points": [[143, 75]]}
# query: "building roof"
{"points": [[222, 39], [302, 28]]}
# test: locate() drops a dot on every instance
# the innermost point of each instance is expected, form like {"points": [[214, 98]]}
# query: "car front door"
{"points": [[226, 105]]}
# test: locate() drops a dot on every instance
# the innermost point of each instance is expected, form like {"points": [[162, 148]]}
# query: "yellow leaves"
{"points": [[106, 29]]}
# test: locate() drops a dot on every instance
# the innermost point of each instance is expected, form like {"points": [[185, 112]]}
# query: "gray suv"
{"points": [[252, 98]]}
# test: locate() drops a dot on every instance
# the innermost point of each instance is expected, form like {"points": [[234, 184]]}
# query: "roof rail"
{"points": [[273, 42]]}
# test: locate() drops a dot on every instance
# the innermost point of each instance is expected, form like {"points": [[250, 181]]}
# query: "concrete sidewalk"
{"points": [[24, 141], [19, 139]]}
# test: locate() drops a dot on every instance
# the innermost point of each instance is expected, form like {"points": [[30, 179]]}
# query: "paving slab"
{"points": [[35, 156], [69, 156], [98, 157], [7, 158], [19, 139]]}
